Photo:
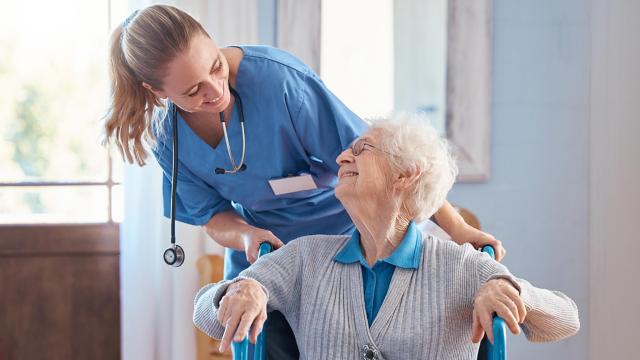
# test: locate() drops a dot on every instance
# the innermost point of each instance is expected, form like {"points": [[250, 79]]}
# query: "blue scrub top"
{"points": [[293, 125]]}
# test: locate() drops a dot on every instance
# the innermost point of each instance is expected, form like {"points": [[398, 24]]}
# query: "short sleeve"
{"points": [[196, 201], [323, 123]]}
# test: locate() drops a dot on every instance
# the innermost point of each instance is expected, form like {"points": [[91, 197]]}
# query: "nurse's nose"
{"points": [[214, 90]]}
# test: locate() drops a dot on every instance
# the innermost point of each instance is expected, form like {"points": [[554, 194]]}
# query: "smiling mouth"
{"points": [[213, 101], [348, 174]]}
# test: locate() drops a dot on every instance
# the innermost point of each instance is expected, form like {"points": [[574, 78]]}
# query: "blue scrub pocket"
{"points": [[322, 175]]}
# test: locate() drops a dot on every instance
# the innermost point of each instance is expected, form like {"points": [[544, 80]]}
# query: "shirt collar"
{"points": [[407, 255]]}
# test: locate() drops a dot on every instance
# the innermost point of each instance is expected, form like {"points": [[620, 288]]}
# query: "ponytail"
{"points": [[129, 119]]}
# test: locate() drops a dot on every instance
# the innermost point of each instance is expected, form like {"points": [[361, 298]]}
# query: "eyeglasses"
{"points": [[360, 144]]}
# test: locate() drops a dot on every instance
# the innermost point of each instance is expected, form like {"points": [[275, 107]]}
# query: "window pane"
{"points": [[117, 201], [53, 204], [117, 167], [53, 90]]}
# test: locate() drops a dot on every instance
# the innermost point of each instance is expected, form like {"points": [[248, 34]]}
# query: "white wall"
{"points": [[614, 178], [537, 197]]}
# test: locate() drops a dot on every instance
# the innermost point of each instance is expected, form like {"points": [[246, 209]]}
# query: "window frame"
{"points": [[109, 182]]}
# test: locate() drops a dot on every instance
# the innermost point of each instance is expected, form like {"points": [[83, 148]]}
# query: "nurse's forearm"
{"points": [[227, 228], [450, 220]]}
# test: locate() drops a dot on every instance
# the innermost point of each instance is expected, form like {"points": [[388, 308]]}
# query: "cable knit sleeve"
{"points": [[551, 315], [278, 274]]}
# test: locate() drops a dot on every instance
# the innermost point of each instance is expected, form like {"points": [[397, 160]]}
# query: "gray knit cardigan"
{"points": [[426, 314]]}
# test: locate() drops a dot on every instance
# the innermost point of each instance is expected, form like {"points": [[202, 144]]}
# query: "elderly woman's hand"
{"points": [[244, 306], [501, 297], [477, 238]]}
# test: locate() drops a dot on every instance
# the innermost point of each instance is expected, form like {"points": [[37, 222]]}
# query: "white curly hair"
{"points": [[416, 144]]}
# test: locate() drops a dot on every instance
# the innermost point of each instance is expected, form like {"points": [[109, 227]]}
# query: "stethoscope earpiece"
{"points": [[174, 255]]}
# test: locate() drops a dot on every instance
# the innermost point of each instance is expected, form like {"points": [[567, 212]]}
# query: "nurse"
{"points": [[258, 134]]}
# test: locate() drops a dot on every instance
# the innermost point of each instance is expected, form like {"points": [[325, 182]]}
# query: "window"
{"points": [[54, 92], [392, 59]]}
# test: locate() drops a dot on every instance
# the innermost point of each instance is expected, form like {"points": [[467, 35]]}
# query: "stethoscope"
{"points": [[174, 255]]}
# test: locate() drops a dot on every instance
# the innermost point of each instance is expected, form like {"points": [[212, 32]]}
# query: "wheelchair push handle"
{"points": [[241, 349], [264, 249], [497, 350]]}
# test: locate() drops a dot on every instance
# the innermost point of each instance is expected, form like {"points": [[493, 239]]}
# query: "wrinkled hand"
{"points": [[253, 237], [501, 297], [479, 239], [244, 306]]}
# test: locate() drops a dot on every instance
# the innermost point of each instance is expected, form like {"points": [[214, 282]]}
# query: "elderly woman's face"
{"points": [[365, 173]]}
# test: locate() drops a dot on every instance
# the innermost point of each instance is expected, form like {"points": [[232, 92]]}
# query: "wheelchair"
{"points": [[488, 351]]}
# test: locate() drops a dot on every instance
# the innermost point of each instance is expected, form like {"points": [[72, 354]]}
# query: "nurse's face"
{"points": [[365, 179], [198, 79]]}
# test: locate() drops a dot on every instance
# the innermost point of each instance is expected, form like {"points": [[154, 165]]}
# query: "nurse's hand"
{"points": [[468, 234], [243, 307], [253, 237]]}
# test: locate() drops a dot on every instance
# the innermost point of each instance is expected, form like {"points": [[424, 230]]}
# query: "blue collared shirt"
{"points": [[376, 279]]}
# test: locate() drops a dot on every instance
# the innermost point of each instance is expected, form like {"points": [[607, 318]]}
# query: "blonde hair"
{"points": [[141, 48], [417, 146]]}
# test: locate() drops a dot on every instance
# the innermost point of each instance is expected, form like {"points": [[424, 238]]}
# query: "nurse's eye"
{"points": [[194, 93], [217, 67]]}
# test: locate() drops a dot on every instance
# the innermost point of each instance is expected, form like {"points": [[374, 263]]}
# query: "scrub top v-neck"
{"points": [[293, 125]]}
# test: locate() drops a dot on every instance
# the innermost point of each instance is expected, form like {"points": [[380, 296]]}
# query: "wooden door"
{"points": [[59, 294]]}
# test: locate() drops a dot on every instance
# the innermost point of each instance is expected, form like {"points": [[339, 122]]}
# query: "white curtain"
{"points": [[156, 299]]}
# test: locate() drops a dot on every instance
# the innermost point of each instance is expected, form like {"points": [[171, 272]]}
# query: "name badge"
{"points": [[292, 184]]}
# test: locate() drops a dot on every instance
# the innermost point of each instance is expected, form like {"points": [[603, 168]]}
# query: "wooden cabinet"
{"points": [[60, 296]]}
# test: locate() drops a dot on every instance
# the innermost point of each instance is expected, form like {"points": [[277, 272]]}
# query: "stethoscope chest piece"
{"points": [[174, 255]]}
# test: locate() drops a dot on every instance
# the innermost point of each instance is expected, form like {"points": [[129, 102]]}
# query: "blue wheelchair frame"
{"points": [[497, 350], [488, 351], [241, 349]]}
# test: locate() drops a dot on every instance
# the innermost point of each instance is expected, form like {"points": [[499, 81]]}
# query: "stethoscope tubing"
{"points": [[174, 175], [174, 165], [232, 159]]}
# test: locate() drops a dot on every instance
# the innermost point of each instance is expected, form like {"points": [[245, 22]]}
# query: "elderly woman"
{"points": [[388, 291]]}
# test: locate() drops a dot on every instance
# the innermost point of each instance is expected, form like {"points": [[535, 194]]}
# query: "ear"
{"points": [[157, 92], [407, 179]]}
